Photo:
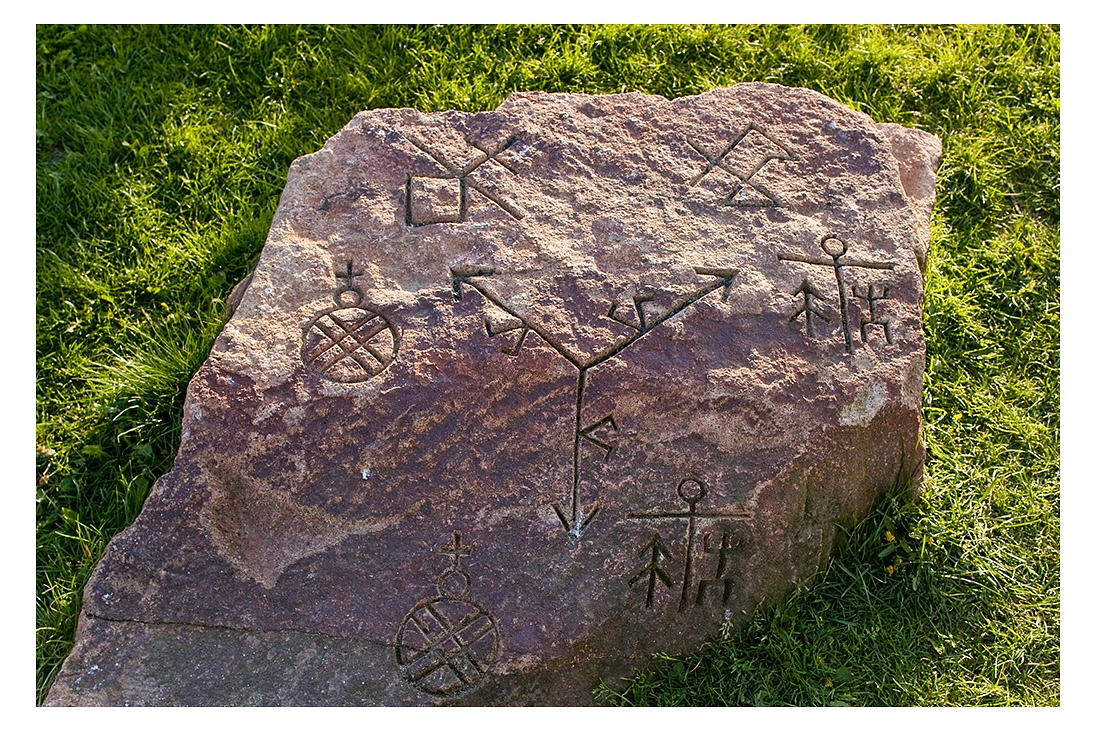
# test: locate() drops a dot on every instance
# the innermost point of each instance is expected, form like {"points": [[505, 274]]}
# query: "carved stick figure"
{"points": [[692, 491], [836, 249]]}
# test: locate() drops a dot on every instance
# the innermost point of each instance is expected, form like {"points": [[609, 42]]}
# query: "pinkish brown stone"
{"points": [[515, 399]]}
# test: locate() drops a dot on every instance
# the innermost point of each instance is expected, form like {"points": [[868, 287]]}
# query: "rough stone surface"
{"points": [[515, 399]]}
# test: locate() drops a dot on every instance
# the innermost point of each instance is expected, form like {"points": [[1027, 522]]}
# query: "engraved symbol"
{"points": [[443, 198], [692, 491], [509, 325], [604, 421], [578, 517], [652, 570], [446, 643], [641, 314], [874, 318], [836, 249], [741, 160], [352, 341], [724, 549], [810, 307]]}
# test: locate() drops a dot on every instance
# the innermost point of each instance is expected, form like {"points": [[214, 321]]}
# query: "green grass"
{"points": [[161, 153]]}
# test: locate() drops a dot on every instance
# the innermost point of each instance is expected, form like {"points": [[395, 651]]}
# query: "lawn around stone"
{"points": [[161, 156]]}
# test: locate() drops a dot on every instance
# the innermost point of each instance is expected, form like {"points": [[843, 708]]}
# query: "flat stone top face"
{"points": [[574, 202], [575, 379]]}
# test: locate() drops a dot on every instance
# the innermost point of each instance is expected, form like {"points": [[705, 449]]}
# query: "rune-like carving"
{"points": [[446, 643], [442, 197], [576, 518], [836, 260], [693, 492], [731, 170], [352, 341]]}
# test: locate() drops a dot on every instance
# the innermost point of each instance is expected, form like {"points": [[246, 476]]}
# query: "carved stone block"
{"points": [[515, 399]]}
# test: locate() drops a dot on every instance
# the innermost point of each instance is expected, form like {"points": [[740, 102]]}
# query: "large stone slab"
{"points": [[515, 399]]}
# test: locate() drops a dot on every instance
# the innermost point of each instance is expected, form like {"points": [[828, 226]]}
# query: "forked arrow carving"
{"points": [[576, 519]]}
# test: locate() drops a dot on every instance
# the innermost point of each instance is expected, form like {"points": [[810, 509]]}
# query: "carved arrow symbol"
{"points": [[809, 308], [808, 289], [581, 522], [652, 570], [727, 275], [462, 274]]}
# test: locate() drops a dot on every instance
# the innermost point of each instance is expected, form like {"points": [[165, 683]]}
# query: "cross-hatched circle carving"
{"points": [[445, 645], [349, 344]]}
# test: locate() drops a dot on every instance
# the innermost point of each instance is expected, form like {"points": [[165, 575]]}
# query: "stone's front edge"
{"points": [[136, 664], [515, 399]]}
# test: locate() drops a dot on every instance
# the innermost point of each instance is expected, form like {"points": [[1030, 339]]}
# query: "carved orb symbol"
{"points": [[691, 490], [351, 343], [445, 645], [833, 246]]}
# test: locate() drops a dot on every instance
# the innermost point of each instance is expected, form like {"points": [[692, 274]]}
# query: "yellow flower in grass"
{"points": [[888, 536], [890, 571]]}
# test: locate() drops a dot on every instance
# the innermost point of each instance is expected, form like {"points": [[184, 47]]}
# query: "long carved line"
{"points": [[577, 442], [514, 212], [837, 267], [831, 261], [676, 308], [686, 582], [493, 299], [676, 514]]}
